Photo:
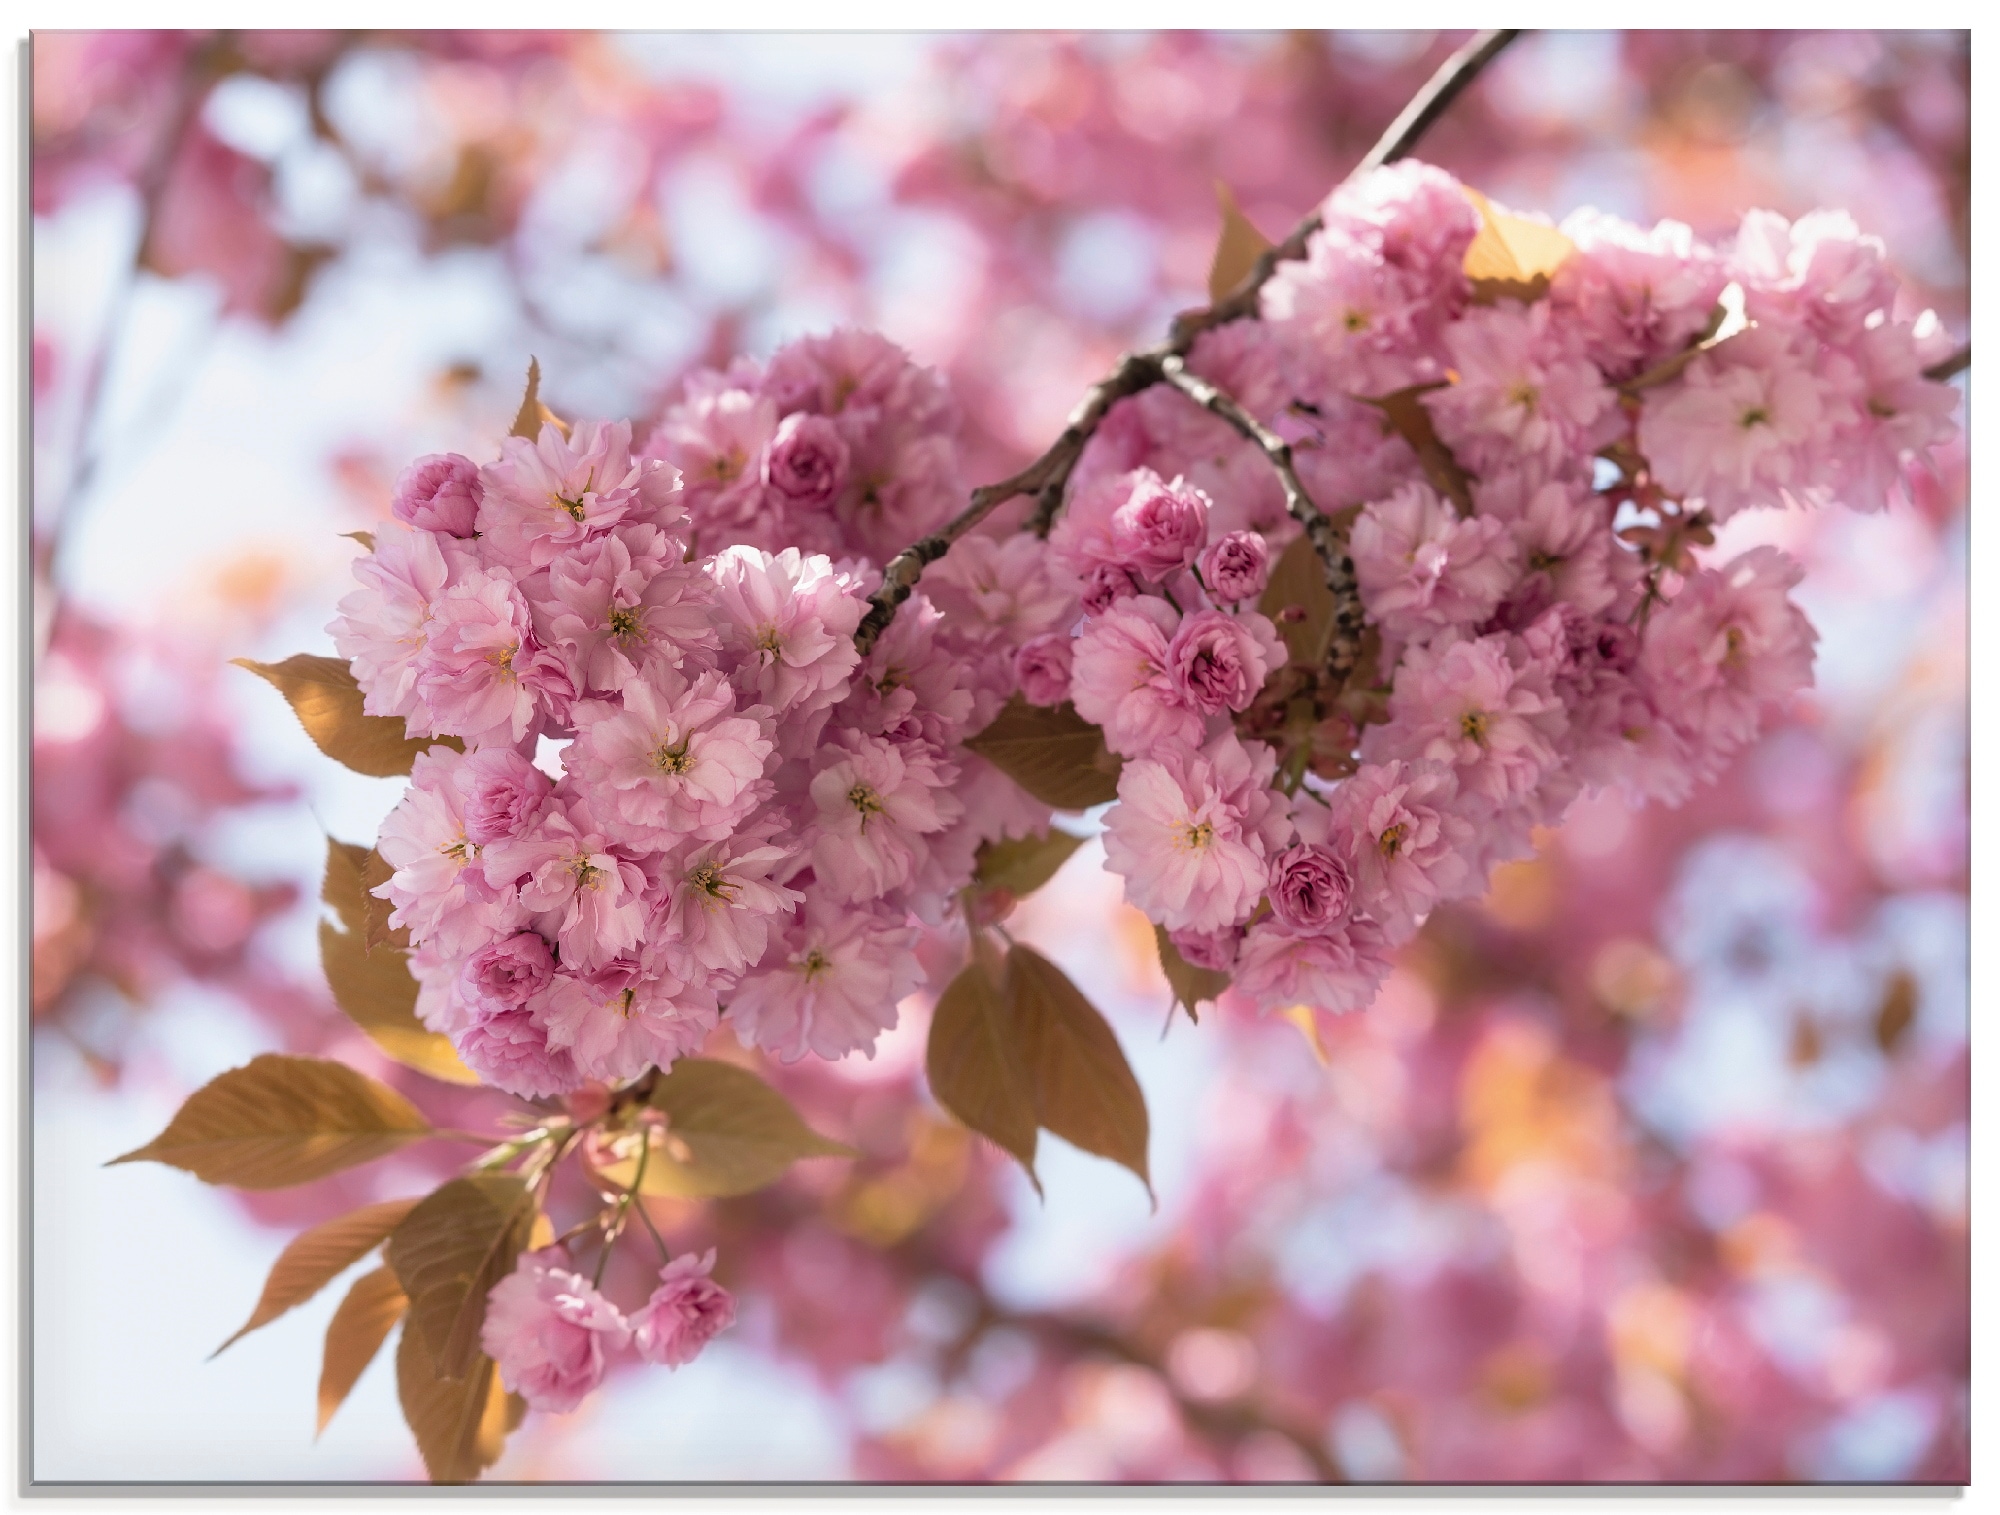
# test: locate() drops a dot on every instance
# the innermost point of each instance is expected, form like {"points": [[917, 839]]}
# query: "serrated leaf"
{"points": [[316, 1257], [1409, 418], [280, 1121], [327, 701], [1298, 581], [352, 873], [728, 1132], [1237, 248], [1053, 753], [450, 1252], [976, 1068], [376, 992], [1192, 986], [461, 1424], [360, 1325], [1512, 257], [1083, 1088], [1021, 865]]}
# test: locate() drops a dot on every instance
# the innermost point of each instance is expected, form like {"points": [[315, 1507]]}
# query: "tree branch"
{"points": [[1327, 539], [1048, 474], [1952, 366]]}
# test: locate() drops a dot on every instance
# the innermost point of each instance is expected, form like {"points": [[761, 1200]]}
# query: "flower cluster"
{"points": [[1537, 622], [552, 1334]]}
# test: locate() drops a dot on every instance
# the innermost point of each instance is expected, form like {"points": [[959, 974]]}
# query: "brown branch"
{"points": [[1952, 366], [1327, 539], [1047, 475]]}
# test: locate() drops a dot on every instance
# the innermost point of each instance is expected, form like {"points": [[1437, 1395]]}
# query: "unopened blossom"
{"points": [[500, 794], [1160, 527], [1105, 585], [1122, 679], [686, 1311], [1406, 838], [806, 462], [1218, 662], [876, 801], [439, 493], [507, 973], [1042, 668], [550, 1332], [1236, 566], [1422, 569], [1192, 834], [677, 760], [830, 984], [1310, 887]]}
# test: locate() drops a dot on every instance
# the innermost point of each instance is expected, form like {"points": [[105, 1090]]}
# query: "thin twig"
{"points": [[1046, 477], [1327, 539], [1952, 366]]}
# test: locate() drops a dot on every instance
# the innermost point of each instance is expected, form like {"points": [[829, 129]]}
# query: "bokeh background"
{"points": [[1650, 1167]]}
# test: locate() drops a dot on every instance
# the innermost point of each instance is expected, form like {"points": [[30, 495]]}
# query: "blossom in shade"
{"points": [[1218, 662], [1192, 833], [1422, 569], [506, 974], [684, 1313], [876, 801], [550, 1332], [830, 984], [500, 794], [439, 493], [1403, 833], [510, 1049], [1042, 668], [1213, 950], [805, 464], [1009, 588], [1335, 970], [1236, 567], [1105, 585], [676, 760], [1122, 679], [618, 1020]]}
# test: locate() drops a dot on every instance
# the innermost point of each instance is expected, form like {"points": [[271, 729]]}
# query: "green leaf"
{"points": [[1192, 986], [461, 1424], [975, 1065], [1298, 580], [450, 1252], [280, 1121], [1021, 865], [356, 1333], [1083, 1088], [728, 1132], [317, 1257], [1054, 754], [327, 701]]}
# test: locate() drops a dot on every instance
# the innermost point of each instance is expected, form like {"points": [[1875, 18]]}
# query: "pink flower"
{"points": [[914, 682], [381, 626], [1105, 585], [509, 1047], [1160, 528], [1522, 394], [687, 1311], [1042, 668], [1236, 567], [1213, 950], [1819, 272], [440, 492], [1737, 429], [1464, 703], [1563, 547], [546, 496], [877, 800], [1334, 970], [1422, 569], [831, 984], [506, 974], [1635, 296], [619, 1020], [1122, 681], [1219, 661], [439, 888], [578, 891], [550, 1332], [806, 462], [1729, 646], [625, 606], [1008, 587], [722, 903], [789, 619], [481, 675], [1310, 887], [714, 439], [677, 761], [501, 793], [1401, 827], [1902, 414], [1192, 834]]}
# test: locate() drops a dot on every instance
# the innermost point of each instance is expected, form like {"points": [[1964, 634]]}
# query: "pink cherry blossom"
{"points": [[1422, 569], [1122, 678], [1402, 828], [1310, 887], [1236, 566], [617, 1020], [1335, 970], [715, 438], [1523, 390], [789, 620], [439, 493], [624, 606], [481, 675], [684, 1313], [381, 626], [1463, 703], [722, 902], [677, 760], [550, 1332], [876, 801], [439, 887], [1218, 662], [805, 464], [830, 984], [1160, 528], [1042, 668], [500, 792]]}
